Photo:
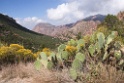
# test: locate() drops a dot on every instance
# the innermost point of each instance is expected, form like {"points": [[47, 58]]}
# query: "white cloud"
{"points": [[73, 10], [65, 12], [29, 22]]}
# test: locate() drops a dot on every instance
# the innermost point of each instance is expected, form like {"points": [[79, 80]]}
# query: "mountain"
{"points": [[85, 27], [51, 30], [12, 32], [64, 32], [97, 17], [44, 28]]}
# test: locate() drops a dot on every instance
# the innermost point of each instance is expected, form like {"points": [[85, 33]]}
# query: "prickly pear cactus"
{"points": [[97, 47], [50, 65], [72, 42], [101, 39], [81, 42], [73, 74], [77, 65], [61, 47], [79, 56], [111, 37], [121, 62], [43, 56], [37, 64], [117, 54], [65, 55], [91, 49], [45, 61], [105, 56], [52, 55], [101, 49]]}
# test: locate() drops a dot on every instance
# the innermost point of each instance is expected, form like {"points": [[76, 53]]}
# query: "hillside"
{"points": [[11, 32]]}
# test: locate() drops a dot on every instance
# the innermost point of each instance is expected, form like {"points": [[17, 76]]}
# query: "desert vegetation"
{"points": [[97, 57]]}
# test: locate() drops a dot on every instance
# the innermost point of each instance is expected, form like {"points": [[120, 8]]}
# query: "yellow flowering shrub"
{"points": [[25, 54], [70, 49], [16, 47], [37, 54], [47, 51], [7, 55], [15, 53], [4, 50]]}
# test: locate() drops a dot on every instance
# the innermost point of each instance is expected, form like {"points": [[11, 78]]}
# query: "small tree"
{"points": [[111, 21]]}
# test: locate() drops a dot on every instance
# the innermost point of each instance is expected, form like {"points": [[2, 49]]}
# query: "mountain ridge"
{"points": [[57, 31], [97, 17]]}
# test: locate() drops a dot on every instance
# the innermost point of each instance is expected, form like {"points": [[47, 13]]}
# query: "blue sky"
{"points": [[26, 8], [30, 12]]}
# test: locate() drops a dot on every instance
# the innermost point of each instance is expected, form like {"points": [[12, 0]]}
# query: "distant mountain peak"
{"points": [[97, 17]]}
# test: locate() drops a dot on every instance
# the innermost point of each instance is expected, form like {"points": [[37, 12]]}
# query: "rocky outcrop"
{"points": [[120, 15]]}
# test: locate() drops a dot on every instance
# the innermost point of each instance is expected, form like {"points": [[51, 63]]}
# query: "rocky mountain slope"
{"points": [[44, 28], [84, 26]]}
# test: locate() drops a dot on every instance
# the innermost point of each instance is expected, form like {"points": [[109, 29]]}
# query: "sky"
{"points": [[57, 12]]}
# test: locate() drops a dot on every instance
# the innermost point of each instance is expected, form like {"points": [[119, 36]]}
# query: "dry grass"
{"points": [[103, 74], [22, 73], [28, 74]]}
